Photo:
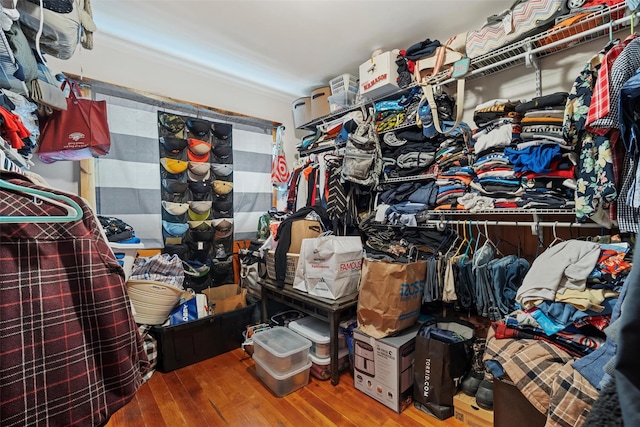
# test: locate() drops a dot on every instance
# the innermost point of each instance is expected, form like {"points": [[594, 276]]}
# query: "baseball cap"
{"points": [[220, 169], [171, 124], [195, 216], [221, 130], [198, 171], [200, 206], [175, 208], [198, 127], [173, 144], [173, 166], [222, 187]]}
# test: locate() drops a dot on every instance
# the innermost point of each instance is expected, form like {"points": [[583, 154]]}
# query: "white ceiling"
{"points": [[287, 46]]}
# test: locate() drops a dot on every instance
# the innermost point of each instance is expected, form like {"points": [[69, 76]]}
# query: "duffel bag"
{"points": [[524, 19]]}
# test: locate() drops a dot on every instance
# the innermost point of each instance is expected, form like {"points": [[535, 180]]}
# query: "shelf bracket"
{"points": [[531, 60]]}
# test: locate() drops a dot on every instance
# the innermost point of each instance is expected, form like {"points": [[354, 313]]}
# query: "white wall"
{"points": [[123, 64]]}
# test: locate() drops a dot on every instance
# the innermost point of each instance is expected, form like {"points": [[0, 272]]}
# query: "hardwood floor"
{"points": [[225, 391]]}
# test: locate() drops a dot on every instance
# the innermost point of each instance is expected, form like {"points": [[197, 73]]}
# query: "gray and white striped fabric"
{"points": [[127, 180], [252, 190]]}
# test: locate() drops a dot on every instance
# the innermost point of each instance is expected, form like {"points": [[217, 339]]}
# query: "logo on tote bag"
{"points": [[76, 136]]}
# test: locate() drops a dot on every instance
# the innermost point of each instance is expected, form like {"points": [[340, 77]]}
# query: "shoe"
{"points": [[471, 382], [484, 395]]}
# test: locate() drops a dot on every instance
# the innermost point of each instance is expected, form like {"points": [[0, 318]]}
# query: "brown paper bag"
{"points": [[303, 229], [226, 297], [390, 296]]}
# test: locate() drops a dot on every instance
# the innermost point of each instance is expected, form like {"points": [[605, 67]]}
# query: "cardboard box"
{"points": [[320, 102], [467, 411], [303, 229], [384, 367], [379, 76], [226, 297], [191, 342]]}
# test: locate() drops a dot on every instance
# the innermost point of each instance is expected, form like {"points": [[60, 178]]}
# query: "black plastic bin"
{"points": [[191, 342]]}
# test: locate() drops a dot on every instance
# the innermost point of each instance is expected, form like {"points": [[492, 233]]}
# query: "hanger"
{"points": [[463, 241], [74, 211], [470, 242], [556, 239], [500, 240], [481, 234], [489, 241]]}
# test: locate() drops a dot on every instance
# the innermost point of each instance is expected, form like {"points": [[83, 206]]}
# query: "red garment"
{"points": [[505, 205], [13, 130], [613, 262], [553, 173], [600, 102]]}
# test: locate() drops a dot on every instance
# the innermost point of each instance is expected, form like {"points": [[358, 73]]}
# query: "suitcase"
{"points": [[524, 19]]}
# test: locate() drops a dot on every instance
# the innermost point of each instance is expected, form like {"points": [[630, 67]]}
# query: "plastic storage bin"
{"points": [[281, 350], [191, 342], [341, 100], [301, 108], [315, 330], [321, 368], [344, 83], [282, 384]]}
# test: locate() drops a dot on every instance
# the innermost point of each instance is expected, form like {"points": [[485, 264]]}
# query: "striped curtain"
{"points": [[127, 180], [252, 190]]}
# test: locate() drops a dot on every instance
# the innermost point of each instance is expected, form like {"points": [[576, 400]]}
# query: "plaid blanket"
{"points": [[543, 373]]}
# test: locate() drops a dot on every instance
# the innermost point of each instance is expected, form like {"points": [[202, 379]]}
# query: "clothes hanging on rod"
{"points": [[71, 352], [592, 120]]}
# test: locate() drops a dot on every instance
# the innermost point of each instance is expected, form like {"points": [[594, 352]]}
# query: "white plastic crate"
{"points": [[315, 330], [344, 83]]}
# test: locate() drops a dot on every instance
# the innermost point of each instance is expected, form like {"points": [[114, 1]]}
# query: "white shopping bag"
{"points": [[331, 265], [299, 282]]}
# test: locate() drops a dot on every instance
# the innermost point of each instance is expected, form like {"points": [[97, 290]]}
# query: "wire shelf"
{"points": [[436, 214], [596, 24], [402, 179], [599, 23], [12, 154]]}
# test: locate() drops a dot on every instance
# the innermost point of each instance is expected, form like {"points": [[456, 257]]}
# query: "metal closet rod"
{"points": [[514, 223], [606, 26]]}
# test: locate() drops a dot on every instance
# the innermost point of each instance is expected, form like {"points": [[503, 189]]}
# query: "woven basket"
{"points": [[152, 300], [292, 264]]}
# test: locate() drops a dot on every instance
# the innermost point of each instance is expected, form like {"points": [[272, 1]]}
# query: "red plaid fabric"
{"points": [[599, 106], [70, 351]]}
